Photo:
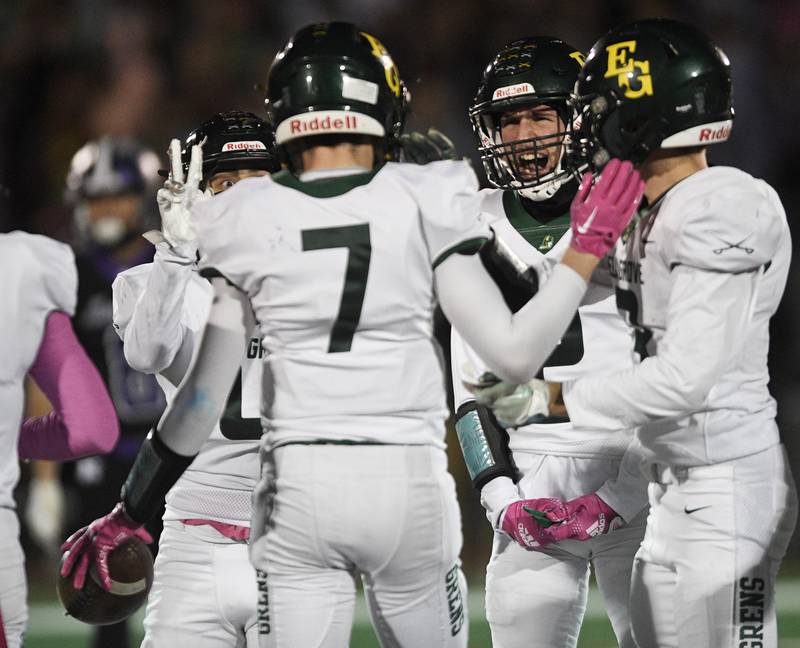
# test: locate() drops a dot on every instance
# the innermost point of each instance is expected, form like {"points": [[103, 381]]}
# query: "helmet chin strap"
{"points": [[543, 192]]}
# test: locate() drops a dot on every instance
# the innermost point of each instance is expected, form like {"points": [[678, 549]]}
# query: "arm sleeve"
{"points": [[627, 492], [196, 407], [483, 441], [83, 420], [513, 346], [148, 306], [203, 392], [704, 331], [496, 495]]}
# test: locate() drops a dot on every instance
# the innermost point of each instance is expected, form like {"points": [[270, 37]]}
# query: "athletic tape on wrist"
{"points": [[484, 443], [153, 474]]}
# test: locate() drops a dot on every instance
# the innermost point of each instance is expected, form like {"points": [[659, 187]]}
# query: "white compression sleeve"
{"points": [[516, 345], [155, 333], [204, 390]]}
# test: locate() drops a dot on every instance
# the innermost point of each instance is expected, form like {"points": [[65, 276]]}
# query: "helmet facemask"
{"points": [[521, 165]]}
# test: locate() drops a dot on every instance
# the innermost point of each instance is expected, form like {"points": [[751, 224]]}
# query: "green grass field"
{"points": [[49, 628]]}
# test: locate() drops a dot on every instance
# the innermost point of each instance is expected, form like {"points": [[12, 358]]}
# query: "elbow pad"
{"points": [[153, 474], [484, 443], [517, 282]]}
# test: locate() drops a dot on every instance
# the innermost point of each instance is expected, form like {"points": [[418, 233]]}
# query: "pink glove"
{"points": [[527, 520], [95, 542], [601, 212], [586, 516]]}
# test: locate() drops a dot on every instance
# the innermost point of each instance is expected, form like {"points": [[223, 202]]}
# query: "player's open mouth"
{"points": [[531, 164]]}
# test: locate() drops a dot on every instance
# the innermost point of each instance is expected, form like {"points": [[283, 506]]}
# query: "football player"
{"points": [[523, 121], [204, 588], [698, 280], [110, 186], [37, 338], [336, 259]]}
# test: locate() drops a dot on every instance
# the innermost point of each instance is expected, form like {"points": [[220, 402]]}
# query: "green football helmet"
{"points": [[525, 73], [653, 84], [335, 79]]}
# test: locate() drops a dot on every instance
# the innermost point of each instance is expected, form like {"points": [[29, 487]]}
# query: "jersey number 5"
{"points": [[356, 239], [628, 304]]}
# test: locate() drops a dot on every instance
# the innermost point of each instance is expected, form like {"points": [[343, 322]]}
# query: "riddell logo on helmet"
{"points": [[348, 123], [253, 145], [714, 135], [324, 122], [513, 90]]}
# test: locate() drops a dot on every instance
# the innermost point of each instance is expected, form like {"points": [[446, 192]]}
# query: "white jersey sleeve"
{"points": [[735, 225], [148, 306], [39, 277], [52, 277], [449, 206], [713, 256], [705, 332]]}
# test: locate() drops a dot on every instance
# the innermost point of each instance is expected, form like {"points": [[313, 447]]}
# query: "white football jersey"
{"points": [[339, 272], [39, 277], [219, 482], [598, 339], [698, 279]]}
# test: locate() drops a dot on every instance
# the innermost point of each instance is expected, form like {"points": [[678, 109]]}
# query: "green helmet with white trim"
{"points": [[654, 84], [335, 79]]}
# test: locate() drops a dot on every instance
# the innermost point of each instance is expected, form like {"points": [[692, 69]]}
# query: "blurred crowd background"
{"points": [[78, 69]]}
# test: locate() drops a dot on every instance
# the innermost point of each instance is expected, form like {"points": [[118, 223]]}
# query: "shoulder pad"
{"points": [[721, 219]]}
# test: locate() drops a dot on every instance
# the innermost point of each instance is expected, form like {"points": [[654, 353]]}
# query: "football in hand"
{"points": [[130, 566]]}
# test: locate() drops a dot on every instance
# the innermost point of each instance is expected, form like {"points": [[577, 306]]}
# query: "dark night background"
{"points": [[78, 69]]}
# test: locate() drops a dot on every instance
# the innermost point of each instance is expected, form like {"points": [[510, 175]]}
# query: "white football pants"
{"points": [[386, 512], [13, 589], [705, 574], [537, 599], [204, 592]]}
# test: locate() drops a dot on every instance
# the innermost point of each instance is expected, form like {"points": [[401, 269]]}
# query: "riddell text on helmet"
{"points": [[249, 145], [710, 135], [512, 91], [349, 122]]}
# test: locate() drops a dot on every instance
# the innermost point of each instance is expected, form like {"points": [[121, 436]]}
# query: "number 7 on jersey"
{"points": [[356, 239]]}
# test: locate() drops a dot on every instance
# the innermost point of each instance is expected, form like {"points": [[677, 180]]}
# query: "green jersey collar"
{"points": [[324, 187], [541, 234]]}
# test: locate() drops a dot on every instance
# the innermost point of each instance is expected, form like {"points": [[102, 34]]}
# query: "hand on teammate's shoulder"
{"points": [[423, 148]]}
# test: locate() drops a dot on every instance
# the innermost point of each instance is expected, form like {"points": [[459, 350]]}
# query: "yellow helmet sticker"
{"points": [[622, 65], [579, 57], [389, 68]]}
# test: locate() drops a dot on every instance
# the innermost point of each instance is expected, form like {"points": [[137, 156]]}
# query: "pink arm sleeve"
{"points": [[83, 420]]}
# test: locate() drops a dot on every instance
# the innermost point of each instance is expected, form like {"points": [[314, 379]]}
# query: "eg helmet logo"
{"points": [[623, 66], [389, 68], [579, 57]]}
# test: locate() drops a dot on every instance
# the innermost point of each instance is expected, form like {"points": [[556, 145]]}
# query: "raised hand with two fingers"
{"points": [[177, 198]]}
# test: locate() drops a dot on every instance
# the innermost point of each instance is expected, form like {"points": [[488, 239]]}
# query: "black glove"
{"points": [[419, 148]]}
